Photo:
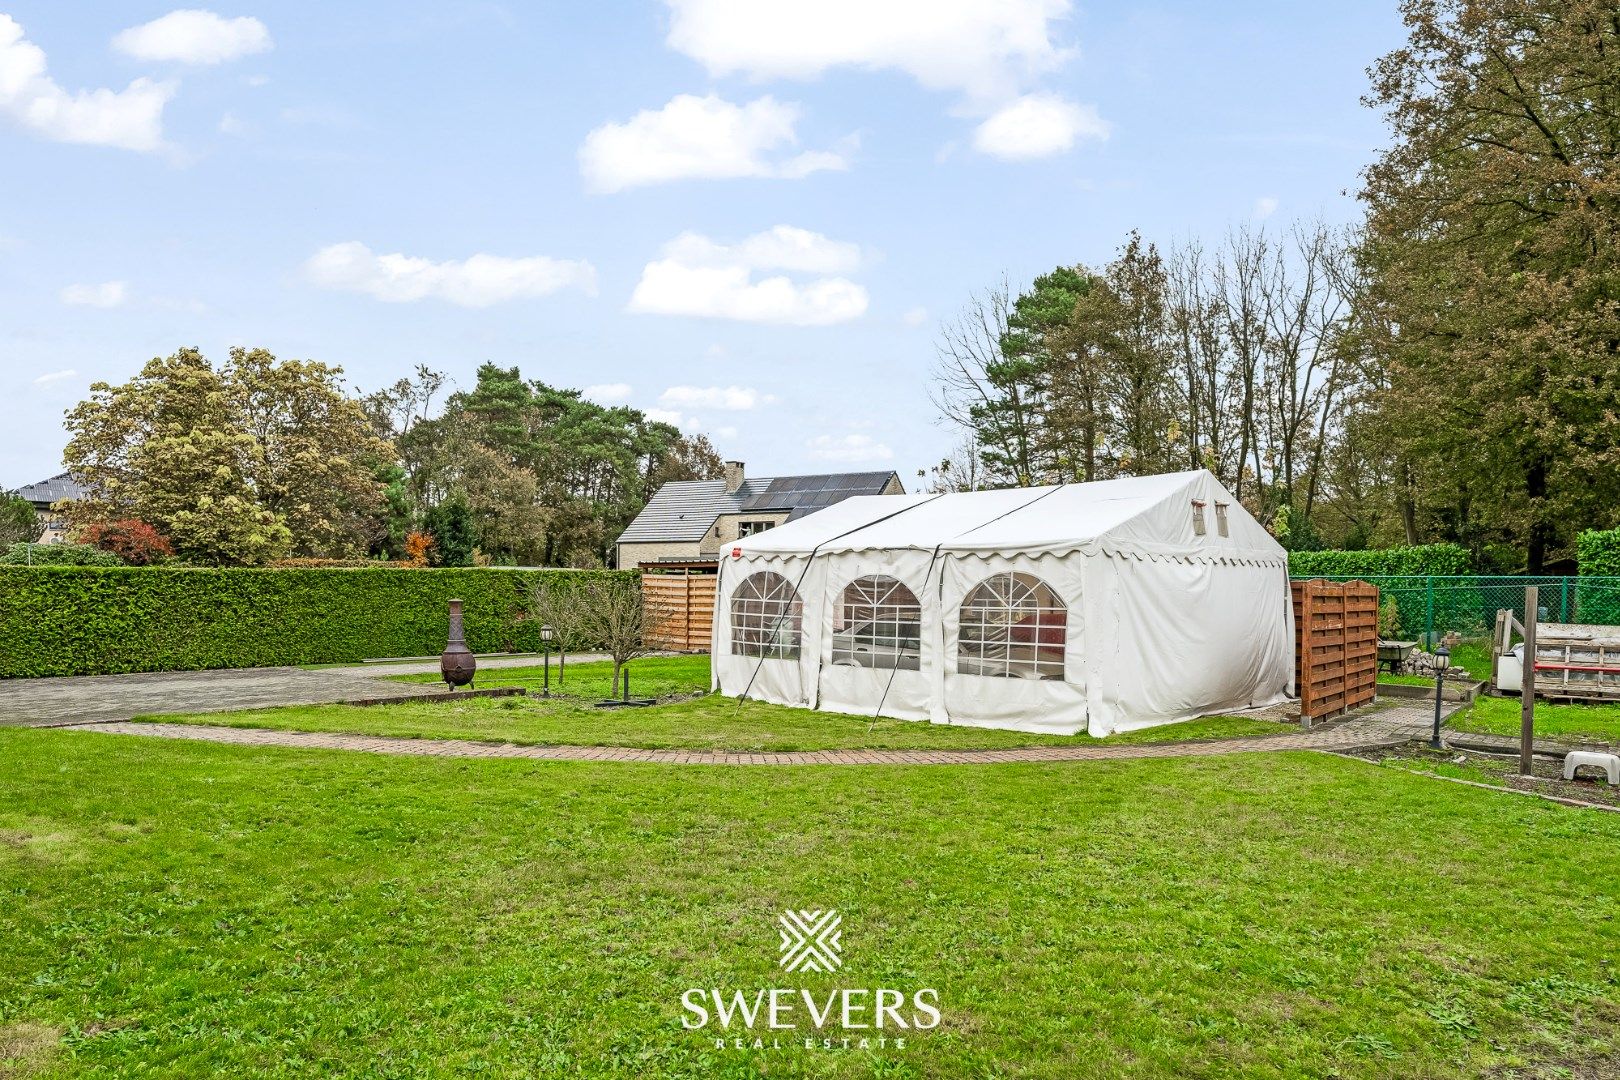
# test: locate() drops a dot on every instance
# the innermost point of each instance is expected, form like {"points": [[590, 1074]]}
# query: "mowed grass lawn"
{"points": [[704, 722], [181, 909], [1558, 721]]}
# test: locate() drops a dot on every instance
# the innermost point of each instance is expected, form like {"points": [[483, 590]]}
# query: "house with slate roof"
{"points": [[45, 496], [688, 522]]}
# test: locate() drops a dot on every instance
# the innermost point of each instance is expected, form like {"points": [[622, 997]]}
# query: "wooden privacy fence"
{"points": [[1335, 646], [681, 607]]}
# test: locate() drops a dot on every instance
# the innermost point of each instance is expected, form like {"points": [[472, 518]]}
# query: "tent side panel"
{"points": [[1179, 640]]}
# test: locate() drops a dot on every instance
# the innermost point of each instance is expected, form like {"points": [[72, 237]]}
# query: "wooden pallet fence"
{"points": [[682, 609], [1335, 646]]}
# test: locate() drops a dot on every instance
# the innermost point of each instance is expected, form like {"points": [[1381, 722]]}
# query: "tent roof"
{"points": [[1149, 516]]}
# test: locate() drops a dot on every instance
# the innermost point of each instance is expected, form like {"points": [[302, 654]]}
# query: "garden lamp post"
{"points": [[1442, 660], [546, 634]]}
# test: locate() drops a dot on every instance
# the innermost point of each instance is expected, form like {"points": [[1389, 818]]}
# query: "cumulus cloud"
{"points": [[915, 316], [1038, 125], [730, 398], [665, 416], [781, 247], [131, 118], [700, 138], [697, 276], [56, 376], [108, 294], [848, 448], [477, 281], [607, 393], [1265, 206], [985, 50], [194, 37]]}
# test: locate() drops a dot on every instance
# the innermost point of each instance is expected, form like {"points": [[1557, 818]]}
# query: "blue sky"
{"points": [[751, 217]]}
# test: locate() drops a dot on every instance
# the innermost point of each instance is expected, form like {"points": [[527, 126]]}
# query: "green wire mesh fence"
{"points": [[1428, 607]]}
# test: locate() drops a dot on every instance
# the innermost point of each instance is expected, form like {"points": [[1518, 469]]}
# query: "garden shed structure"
{"points": [[1099, 608]]}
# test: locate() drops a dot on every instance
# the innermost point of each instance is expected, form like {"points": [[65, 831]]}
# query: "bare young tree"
{"points": [[973, 393], [601, 612]]}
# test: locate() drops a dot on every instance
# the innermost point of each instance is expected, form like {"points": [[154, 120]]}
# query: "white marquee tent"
{"points": [[1098, 607]]}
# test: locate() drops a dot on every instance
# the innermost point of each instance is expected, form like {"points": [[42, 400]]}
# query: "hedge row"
{"points": [[106, 620], [1597, 553], [1421, 559]]}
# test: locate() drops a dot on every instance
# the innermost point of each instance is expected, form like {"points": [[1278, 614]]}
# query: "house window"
{"points": [[749, 528], [878, 624], [1198, 518], [766, 617], [1220, 519], [1012, 626]]}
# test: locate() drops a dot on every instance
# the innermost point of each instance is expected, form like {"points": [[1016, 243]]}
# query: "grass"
{"points": [[704, 722], [182, 909], [1555, 721]]}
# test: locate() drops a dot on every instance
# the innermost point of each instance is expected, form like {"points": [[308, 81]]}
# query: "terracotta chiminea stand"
{"points": [[457, 664]]}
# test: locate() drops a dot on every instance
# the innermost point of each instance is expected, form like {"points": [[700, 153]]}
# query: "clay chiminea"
{"points": [[457, 664]]}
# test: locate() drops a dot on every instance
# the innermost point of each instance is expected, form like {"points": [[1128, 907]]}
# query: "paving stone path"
{"points": [[1384, 727], [90, 699]]}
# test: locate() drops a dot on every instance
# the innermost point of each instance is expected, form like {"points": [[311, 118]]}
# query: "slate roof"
{"points": [[46, 492], [683, 510]]}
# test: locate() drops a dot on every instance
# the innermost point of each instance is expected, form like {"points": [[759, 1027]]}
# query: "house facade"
{"points": [[47, 495], [689, 522]]}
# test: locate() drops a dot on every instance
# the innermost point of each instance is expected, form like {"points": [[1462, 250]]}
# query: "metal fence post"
{"points": [[1428, 614], [1563, 599]]}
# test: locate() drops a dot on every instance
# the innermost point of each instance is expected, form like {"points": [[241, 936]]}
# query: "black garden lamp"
{"points": [[1442, 660], [546, 634]]}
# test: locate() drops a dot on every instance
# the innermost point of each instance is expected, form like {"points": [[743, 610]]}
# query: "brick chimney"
{"points": [[734, 476]]}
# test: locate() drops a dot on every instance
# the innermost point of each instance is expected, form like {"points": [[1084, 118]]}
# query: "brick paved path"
{"points": [[1385, 727]]}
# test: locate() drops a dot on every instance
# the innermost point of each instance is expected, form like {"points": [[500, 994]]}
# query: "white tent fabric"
{"points": [[1091, 607]]}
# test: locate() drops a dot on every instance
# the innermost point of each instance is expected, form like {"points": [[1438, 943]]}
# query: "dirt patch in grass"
{"points": [[26, 1048], [1496, 770]]}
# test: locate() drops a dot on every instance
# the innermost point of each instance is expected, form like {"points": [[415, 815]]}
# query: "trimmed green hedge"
{"points": [[1597, 553], [109, 620], [1422, 559]]}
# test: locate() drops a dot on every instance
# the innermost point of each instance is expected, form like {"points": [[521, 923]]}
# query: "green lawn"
{"points": [[182, 909], [705, 722], [1559, 722]]}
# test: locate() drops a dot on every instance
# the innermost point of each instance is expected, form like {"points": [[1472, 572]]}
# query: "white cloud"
{"points": [[985, 49], [607, 393], [1265, 206], [56, 376], [230, 124], [108, 294], [915, 316], [194, 37], [724, 433], [131, 119], [700, 138], [781, 247], [730, 398], [848, 448], [477, 281], [697, 276], [665, 416], [1038, 125]]}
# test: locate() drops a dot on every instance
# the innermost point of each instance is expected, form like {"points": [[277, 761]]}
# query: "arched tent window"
{"points": [[766, 617], [1013, 626], [877, 624]]}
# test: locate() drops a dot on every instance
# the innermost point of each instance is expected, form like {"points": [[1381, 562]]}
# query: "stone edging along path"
{"points": [[1388, 727]]}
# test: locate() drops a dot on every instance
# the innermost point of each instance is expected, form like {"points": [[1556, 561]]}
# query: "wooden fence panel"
{"points": [[682, 610], [1335, 646]]}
